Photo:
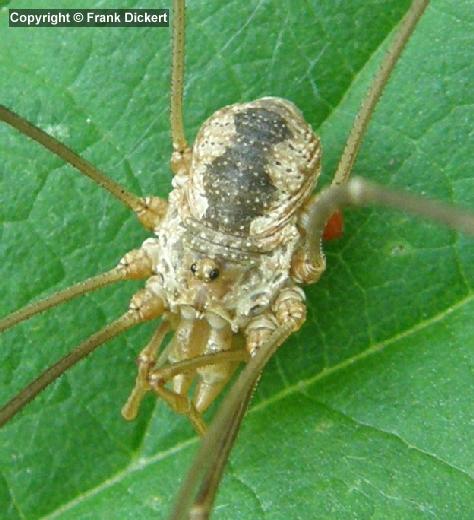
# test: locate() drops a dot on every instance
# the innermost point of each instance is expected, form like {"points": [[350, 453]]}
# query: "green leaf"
{"points": [[367, 411]]}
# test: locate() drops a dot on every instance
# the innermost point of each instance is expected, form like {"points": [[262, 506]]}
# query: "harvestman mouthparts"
{"points": [[239, 233]]}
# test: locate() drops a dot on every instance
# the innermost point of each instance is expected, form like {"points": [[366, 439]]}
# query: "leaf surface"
{"points": [[367, 411]]}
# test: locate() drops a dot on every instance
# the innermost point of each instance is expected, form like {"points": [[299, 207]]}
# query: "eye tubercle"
{"points": [[205, 269]]}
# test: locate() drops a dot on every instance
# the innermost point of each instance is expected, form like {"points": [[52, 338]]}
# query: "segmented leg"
{"points": [[196, 339], [149, 210], [135, 265], [144, 306], [146, 361], [259, 330], [157, 378], [359, 192], [307, 264], [181, 157], [198, 491], [351, 149]]}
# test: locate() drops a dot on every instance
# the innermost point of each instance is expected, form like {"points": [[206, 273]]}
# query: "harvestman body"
{"points": [[239, 233], [227, 242]]}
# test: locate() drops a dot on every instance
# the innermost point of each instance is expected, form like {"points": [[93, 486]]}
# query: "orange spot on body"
{"points": [[334, 226]]}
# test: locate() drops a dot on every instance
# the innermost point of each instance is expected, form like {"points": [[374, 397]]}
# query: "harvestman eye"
{"points": [[274, 229], [214, 274]]}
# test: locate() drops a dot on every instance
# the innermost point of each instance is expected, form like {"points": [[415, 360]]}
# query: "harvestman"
{"points": [[230, 248]]}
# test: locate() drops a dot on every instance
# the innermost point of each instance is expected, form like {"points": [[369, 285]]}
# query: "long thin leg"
{"points": [[133, 266], [206, 494], [149, 210], [167, 372], [198, 490], [359, 192], [197, 494], [407, 26], [143, 306], [181, 151]]}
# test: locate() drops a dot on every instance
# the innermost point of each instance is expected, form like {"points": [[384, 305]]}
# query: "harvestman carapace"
{"points": [[209, 270]]}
